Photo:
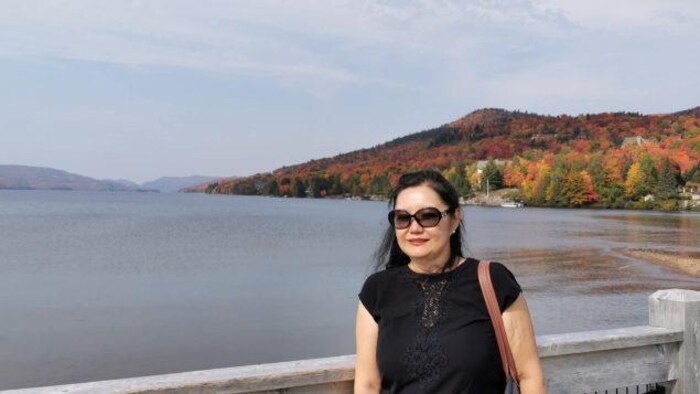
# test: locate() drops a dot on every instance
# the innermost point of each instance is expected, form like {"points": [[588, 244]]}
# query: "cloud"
{"points": [[674, 17], [163, 34], [297, 43], [322, 47]]}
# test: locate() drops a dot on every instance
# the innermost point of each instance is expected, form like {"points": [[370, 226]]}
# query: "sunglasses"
{"points": [[426, 217]]}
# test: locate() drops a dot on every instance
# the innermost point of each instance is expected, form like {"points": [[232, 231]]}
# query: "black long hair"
{"points": [[388, 254]]}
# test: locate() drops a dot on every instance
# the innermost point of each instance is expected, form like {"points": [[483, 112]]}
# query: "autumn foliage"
{"points": [[608, 159]]}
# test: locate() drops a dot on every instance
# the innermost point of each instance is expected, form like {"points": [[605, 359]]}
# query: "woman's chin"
{"points": [[418, 254]]}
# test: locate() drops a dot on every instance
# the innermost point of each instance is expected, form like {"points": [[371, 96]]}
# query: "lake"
{"points": [[107, 285]]}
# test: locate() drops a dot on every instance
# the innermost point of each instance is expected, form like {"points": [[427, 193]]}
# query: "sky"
{"points": [[142, 89]]}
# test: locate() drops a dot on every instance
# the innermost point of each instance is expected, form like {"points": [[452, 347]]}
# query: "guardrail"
{"points": [[666, 352]]}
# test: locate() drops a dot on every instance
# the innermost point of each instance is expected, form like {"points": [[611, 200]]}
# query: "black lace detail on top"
{"points": [[425, 357]]}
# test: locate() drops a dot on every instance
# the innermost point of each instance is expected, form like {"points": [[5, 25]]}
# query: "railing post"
{"points": [[680, 309]]}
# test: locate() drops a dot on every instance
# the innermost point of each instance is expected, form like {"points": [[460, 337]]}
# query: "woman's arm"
{"points": [[521, 337], [367, 379]]}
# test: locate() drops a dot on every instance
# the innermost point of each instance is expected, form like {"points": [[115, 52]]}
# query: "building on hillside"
{"points": [[692, 188], [638, 140]]}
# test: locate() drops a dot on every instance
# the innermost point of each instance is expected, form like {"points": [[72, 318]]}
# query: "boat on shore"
{"points": [[511, 204]]}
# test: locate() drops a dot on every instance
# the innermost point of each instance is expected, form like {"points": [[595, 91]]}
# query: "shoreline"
{"points": [[687, 263], [479, 199]]}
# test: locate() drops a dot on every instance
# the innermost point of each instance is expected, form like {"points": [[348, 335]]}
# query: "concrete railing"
{"points": [[667, 351]]}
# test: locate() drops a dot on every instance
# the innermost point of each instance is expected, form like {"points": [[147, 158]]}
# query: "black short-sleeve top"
{"points": [[435, 335]]}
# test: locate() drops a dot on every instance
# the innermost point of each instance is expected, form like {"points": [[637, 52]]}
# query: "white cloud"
{"points": [[147, 34], [322, 46], [268, 38], [629, 17]]}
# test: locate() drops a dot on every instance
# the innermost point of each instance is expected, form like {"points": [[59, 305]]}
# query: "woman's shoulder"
{"points": [[381, 275], [495, 267], [500, 269], [374, 288]]}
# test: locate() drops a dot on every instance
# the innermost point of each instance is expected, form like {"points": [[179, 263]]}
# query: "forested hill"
{"points": [[42, 178], [534, 149]]}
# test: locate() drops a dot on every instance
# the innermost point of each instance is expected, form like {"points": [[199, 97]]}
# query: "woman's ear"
{"points": [[457, 218]]}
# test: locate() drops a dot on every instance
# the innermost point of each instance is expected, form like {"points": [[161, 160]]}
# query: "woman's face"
{"points": [[419, 242]]}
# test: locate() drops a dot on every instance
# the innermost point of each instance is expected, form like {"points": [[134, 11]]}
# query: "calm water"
{"points": [[106, 285]]}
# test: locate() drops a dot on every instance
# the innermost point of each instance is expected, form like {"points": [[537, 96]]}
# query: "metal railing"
{"points": [[638, 389]]}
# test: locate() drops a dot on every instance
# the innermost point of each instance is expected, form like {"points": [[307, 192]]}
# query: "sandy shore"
{"points": [[688, 263]]}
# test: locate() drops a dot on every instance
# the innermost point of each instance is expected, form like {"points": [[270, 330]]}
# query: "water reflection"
{"points": [[672, 220], [576, 269]]}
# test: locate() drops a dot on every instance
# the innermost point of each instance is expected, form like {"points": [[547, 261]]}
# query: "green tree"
{"points": [[492, 175], [554, 195], [246, 187], [667, 185], [336, 186], [613, 195], [693, 175], [353, 185], [597, 171], [319, 186], [271, 188], [458, 177], [299, 189], [648, 168], [641, 179], [541, 185], [380, 185]]}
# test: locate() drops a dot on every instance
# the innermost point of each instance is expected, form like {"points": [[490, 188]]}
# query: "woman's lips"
{"points": [[417, 241]]}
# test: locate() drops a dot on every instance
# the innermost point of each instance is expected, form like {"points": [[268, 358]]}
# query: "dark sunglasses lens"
{"points": [[402, 220], [428, 217]]}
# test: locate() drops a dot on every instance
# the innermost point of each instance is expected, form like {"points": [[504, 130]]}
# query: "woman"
{"points": [[422, 322]]}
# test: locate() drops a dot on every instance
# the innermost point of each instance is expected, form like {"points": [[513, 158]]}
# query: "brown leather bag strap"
{"points": [[496, 319]]}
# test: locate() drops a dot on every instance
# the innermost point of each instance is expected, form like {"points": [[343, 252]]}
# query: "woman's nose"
{"points": [[415, 227]]}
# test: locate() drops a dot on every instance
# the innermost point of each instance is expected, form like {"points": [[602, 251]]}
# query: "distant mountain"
{"points": [[42, 178], [122, 183], [170, 184]]}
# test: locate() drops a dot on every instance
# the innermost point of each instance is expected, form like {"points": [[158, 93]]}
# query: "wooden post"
{"points": [[680, 309]]}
